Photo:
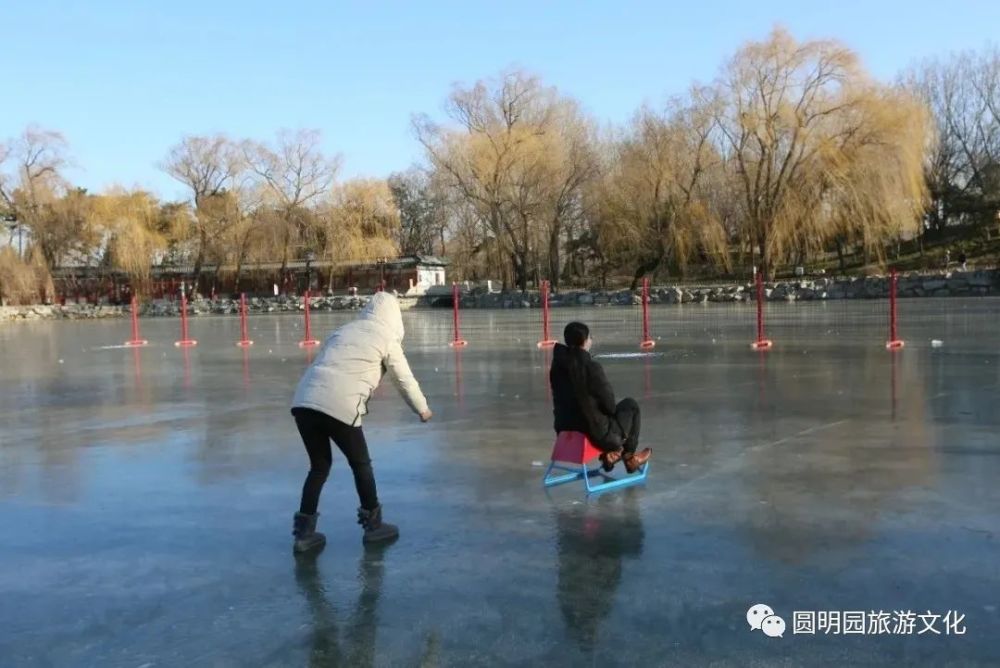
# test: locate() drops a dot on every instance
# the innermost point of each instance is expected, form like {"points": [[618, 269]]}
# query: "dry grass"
{"points": [[21, 282]]}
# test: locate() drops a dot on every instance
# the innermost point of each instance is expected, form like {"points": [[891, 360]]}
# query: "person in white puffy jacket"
{"points": [[330, 400]]}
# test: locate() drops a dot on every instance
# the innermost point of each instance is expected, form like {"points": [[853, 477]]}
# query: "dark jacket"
{"points": [[582, 397]]}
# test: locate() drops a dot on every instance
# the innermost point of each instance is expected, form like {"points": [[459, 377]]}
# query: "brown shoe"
{"points": [[610, 458], [635, 460]]}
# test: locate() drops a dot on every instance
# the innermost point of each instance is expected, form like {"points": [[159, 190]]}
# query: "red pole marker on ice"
{"points": [[647, 340], [894, 342], [244, 341], [307, 340], [457, 341], [762, 342], [186, 341], [547, 341], [135, 341]]}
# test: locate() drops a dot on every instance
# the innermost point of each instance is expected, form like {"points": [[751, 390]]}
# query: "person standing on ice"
{"points": [[583, 401], [331, 399]]}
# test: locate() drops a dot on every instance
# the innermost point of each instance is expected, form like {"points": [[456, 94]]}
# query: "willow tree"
{"points": [[130, 222], [873, 189], [652, 209], [359, 223], [799, 118]]}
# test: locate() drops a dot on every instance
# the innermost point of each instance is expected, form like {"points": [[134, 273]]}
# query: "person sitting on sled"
{"points": [[583, 401]]}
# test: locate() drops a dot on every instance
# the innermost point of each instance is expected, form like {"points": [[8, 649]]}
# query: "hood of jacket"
{"points": [[384, 309]]}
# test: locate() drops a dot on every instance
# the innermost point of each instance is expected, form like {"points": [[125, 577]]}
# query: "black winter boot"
{"points": [[376, 531], [306, 536]]}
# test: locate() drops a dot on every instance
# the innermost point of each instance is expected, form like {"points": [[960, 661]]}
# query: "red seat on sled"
{"points": [[574, 447]]}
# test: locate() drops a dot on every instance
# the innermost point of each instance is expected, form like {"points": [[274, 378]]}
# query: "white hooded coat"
{"points": [[351, 363]]}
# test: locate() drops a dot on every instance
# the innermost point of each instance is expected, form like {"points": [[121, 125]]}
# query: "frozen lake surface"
{"points": [[146, 496]]}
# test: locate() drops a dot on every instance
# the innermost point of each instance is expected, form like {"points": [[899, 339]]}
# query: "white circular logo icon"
{"points": [[761, 617], [756, 615]]}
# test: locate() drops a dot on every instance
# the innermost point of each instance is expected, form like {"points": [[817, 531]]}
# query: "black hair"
{"points": [[576, 334]]}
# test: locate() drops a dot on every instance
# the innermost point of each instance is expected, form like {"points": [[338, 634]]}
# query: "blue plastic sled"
{"points": [[571, 452]]}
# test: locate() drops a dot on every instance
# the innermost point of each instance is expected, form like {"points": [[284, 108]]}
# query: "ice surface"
{"points": [[146, 496]]}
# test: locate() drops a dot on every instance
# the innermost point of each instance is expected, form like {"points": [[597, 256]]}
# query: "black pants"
{"points": [[317, 429], [624, 430]]}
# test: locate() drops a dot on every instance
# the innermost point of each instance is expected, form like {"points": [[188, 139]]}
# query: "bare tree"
{"points": [[571, 166], [33, 189], [963, 95], [295, 173], [946, 166], [31, 166], [245, 239], [422, 213], [515, 154], [207, 166]]}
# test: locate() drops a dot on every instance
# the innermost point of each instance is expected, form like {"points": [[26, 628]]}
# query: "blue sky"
{"points": [[125, 80]]}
